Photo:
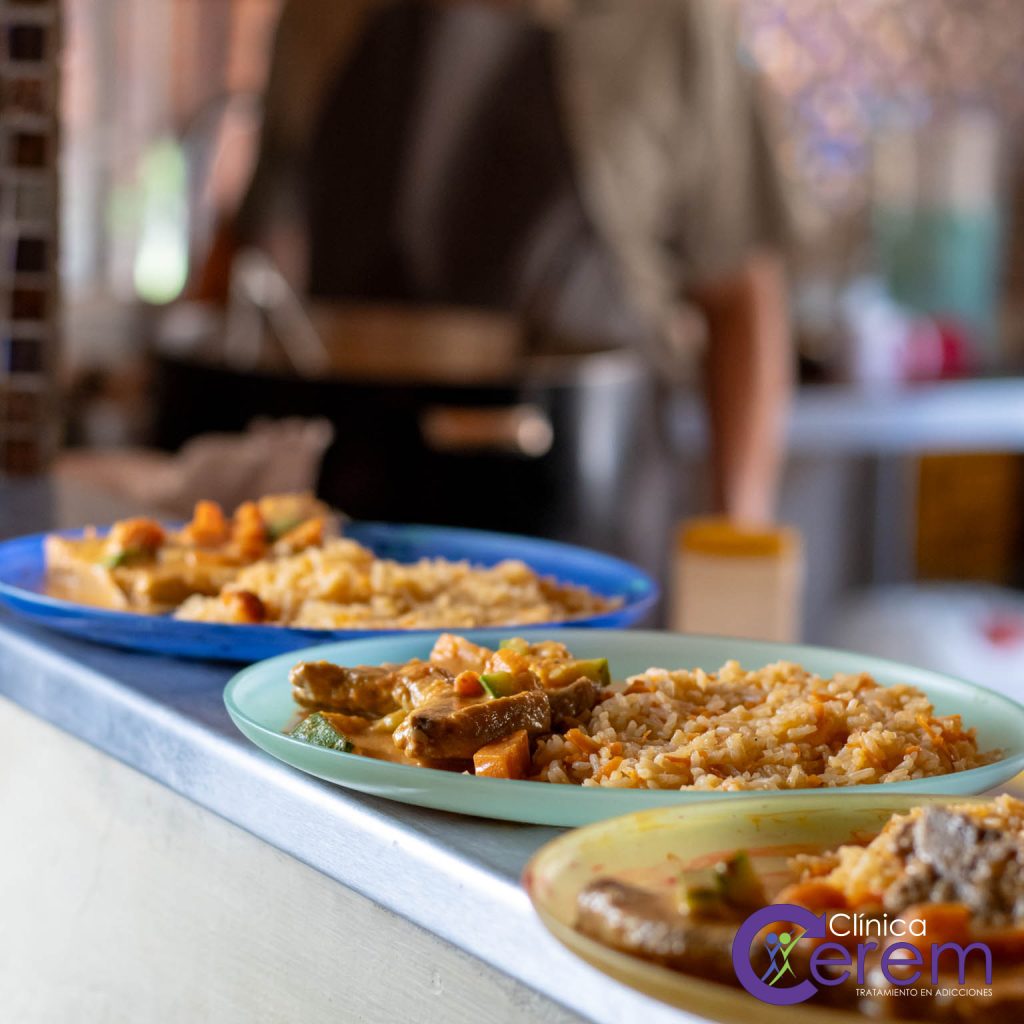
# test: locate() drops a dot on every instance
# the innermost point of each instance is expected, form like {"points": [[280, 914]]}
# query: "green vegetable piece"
{"points": [[738, 883], [318, 731], [123, 557], [515, 643], [702, 901], [595, 669], [498, 684], [276, 530]]}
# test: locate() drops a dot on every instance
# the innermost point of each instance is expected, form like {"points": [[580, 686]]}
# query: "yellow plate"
{"points": [[654, 847]]}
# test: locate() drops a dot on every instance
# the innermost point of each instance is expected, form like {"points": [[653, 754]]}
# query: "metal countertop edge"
{"points": [[361, 848]]}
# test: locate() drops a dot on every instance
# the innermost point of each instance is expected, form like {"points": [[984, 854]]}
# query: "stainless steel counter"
{"points": [[455, 877]]}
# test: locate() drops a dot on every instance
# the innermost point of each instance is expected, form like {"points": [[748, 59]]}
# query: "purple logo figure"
{"points": [[779, 946]]}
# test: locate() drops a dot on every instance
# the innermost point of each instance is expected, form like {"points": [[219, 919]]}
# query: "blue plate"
{"points": [[259, 700], [23, 572]]}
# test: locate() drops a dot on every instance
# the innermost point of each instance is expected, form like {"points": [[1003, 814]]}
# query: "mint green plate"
{"points": [[260, 703]]}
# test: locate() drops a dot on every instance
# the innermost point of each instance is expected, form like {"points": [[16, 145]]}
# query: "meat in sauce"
{"points": [[463, 698], [648, 925], [951, 858], [449, 726]]}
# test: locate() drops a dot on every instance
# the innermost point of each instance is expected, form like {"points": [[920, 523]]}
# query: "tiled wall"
{"points": [[28, 231]]}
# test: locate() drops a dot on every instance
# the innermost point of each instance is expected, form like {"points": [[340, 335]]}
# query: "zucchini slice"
{"points": [[318, 730]]}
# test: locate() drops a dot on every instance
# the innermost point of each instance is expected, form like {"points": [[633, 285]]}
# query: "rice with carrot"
{"points": [[778, 727], [343, 585], [883, 872]]}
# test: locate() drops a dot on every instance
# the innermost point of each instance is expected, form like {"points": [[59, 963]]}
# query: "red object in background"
{"points": [[957, 349], [939, 350], [1004, 630]]}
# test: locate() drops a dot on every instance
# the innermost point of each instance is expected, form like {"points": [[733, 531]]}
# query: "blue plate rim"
{"points": [[566, 635]]}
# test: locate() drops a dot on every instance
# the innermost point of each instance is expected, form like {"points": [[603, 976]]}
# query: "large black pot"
{"points": [[569, 449]]}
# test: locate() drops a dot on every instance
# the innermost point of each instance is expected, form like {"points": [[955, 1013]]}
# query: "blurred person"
{"points": [[598, 168]]}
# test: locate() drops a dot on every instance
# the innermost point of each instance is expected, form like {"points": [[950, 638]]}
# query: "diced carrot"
{"points": [[814, 895], [944, 922], [1007, 944], [246, 607], [582, 742], [508, 659], [309, 534], [467, 684], [137, 534], [609, 768], [507, 758], [639, 686], [867, 902], [249, 531], [208, 527]]}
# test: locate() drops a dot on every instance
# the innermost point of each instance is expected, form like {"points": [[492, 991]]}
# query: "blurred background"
{"points": [[196, 302]]}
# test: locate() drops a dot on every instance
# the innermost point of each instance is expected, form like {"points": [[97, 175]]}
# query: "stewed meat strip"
{"points": [[419, 681], [326, 686], [366, 690], [447, 726], [570, 703], [647, 924]]}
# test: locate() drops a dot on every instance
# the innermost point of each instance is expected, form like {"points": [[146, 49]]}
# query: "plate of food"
{"points": [[872, 906], [285, 572], [577, 726]]}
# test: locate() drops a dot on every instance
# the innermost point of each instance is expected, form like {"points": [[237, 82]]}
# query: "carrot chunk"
{"points": [[507, 758], [139, 534], [309, 534], [814, 895], [208, 527], [245, 606], [249, 531], [944, 922], [467, 684]]}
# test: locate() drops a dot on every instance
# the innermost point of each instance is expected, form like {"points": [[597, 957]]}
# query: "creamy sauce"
{"points": [[93, 587], [382, 747]]}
